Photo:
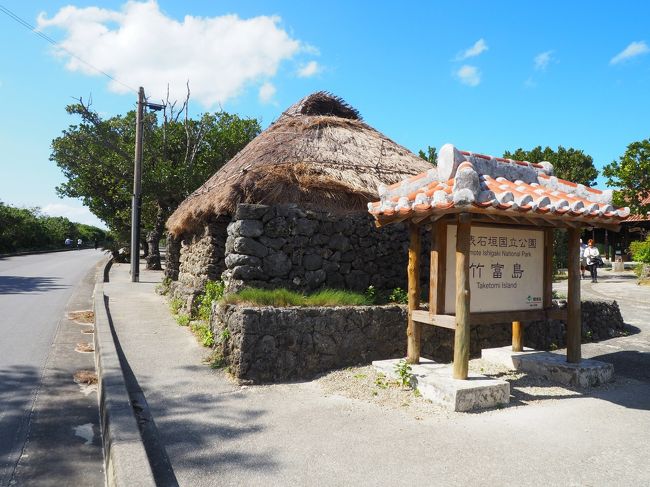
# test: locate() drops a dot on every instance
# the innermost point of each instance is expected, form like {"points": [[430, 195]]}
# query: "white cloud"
{"points": [[542, 60], [141, 46], [478, 47], [633, 50], [77, 214], [469, 75], [309, 69], [267, 90]]}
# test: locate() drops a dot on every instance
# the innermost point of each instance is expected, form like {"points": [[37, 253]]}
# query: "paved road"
{"points": [[34, 293]]}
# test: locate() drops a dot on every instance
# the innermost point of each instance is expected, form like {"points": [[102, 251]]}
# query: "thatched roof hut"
{"points": [[318, 153]]}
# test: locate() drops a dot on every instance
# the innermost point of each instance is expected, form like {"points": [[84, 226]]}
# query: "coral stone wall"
{"points": [[286, 246], [172, 257], [202, 258], [276, 344]]}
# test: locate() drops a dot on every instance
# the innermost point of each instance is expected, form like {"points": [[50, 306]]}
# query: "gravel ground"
{"points": [[368, 385]]}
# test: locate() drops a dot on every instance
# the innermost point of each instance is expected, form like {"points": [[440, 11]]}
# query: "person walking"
{"points": [[583, 259], [592, 255]]}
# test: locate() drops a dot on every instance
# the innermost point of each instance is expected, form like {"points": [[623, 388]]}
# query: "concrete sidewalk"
{"points": [[217, 433]]}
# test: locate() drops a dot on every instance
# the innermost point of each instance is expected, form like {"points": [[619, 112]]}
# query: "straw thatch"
{"points": [[318, 154]]}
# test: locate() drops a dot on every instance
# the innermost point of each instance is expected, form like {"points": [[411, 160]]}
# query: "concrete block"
{"points": [[435, 382], [553, 366]]}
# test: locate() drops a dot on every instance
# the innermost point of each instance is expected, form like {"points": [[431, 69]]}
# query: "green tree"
{"points": [[429, 155], [28, 229], [570, 164], [631, 176], [180, 154]]}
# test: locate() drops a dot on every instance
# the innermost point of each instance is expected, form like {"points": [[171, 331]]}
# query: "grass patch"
{"points": [[284, 297]]}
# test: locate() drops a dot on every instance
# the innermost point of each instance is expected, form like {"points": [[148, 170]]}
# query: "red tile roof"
{"points": [[638, 217], [479, 183]]}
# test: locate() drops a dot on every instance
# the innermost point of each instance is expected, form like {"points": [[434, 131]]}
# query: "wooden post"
{"points": [[574, 315], [461, 338], [517, 336], [547, 291], [438, 269], [413, 331]]}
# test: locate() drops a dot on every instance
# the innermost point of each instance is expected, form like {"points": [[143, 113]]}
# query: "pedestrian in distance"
{"points": [[96, 244], [79, 243], [583, 259], [593, 258]]}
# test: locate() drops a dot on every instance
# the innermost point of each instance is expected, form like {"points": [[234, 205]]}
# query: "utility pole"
{"points": [[137, 190]]}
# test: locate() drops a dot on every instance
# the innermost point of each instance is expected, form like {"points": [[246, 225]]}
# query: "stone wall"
{"points": [[286, 246], [202, 258], [277, 344], [172, 257]]}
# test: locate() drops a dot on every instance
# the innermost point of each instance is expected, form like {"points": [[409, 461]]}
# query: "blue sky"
{"points": [[485, 76]]}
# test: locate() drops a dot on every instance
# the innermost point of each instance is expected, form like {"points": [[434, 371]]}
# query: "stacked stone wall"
{"points": [[278, 344], [172, 257], [202, 258], [286, 246]]}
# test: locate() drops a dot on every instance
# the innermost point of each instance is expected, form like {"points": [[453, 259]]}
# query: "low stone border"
{"points": [[125, 459], [266, 344]]}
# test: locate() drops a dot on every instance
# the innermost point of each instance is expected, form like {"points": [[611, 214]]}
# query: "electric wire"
{"points": [[47, 38]]}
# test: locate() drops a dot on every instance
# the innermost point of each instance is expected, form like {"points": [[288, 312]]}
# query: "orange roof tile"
{"points": [[475, 181]]}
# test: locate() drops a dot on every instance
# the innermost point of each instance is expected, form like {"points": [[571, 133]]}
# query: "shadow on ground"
{"points": [[20, 284], [49, 437], [630, 389]]}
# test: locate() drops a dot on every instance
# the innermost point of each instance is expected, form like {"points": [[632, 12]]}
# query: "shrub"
{"points": [[175, 305], [213, 292], [203, 333], [641, 251], [183, 320], [398, 295]]}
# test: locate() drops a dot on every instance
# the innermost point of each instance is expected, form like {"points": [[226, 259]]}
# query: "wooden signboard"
{"points": [[506, 269]]}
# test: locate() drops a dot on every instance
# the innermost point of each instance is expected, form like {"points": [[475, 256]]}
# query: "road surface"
{"points": [[37, 394]]}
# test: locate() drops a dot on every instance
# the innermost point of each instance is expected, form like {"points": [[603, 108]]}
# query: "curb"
{"points": [[125, 459], [34, 252]]}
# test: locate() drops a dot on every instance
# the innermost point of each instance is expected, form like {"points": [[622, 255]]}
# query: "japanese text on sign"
{"points": [[505, 270]]}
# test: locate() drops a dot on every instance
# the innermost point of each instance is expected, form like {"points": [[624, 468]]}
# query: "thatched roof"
{"points": [[318, 154]]}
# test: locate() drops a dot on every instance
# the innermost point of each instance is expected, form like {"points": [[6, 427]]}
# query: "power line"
{"points": [[47, 38]]}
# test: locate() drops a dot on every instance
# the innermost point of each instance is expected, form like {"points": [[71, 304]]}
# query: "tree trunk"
{"points": [[153, 239], [144, 248]]}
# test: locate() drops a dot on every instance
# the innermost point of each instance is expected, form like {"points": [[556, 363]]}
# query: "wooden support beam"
{"points": [[461, 338], [414, 328], [517, 336], [438, 268], [444, 321], [547, 289], [574, 315], [490, 318]]}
